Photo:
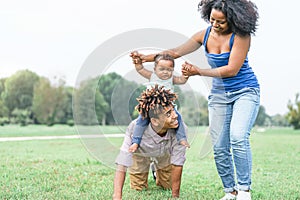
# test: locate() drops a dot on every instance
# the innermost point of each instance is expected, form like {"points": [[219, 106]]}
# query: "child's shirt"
{"points": [[154, 79]]}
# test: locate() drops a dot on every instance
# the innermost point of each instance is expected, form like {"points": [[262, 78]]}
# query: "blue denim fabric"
{"points": [[141, 125], [180, 131], [231, 118]]}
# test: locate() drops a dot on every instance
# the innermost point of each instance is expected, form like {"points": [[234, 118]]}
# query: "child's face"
{"points": [[164, 69]]}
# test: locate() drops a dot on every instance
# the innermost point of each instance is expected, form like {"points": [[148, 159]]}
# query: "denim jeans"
{"points": [[231, 118]]}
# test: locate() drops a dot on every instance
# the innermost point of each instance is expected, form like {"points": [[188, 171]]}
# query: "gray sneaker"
{"points": [[229, 196], [242, 195], [152, 166]]}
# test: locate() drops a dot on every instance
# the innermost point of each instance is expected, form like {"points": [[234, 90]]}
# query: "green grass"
{"points": [[41, 130], [63, 169]]}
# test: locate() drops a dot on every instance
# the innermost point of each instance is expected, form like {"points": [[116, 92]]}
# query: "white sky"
{"points": [[54, 37]]}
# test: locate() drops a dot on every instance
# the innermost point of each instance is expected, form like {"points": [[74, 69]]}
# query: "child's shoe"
{"points": [[185, 143]]}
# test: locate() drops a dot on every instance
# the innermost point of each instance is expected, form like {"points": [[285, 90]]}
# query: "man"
{"points": [[158, 143]]}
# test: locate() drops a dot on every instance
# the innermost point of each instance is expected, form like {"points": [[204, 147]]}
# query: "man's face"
{"points": [[168, 118]]}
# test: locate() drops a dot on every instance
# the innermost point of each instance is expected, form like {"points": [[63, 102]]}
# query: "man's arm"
{"points": [[123, 160], [177, 161], [176, 180], [119, 182]]}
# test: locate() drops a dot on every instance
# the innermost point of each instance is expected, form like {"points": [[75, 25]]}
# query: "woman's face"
{"points": [[218, 21], [164, 69]]}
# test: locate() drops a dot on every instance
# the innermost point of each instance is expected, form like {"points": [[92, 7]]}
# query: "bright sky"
{"points": [[55, 37]]}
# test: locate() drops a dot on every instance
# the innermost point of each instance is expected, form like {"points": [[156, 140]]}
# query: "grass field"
{"points": [[64, 169]]}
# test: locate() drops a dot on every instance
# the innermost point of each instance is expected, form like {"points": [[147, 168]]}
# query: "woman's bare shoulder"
{"points": [[199, 36]]}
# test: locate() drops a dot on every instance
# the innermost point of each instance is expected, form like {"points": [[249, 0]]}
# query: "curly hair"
{"points": [[159, 57], [241, 15], [152, 101]]}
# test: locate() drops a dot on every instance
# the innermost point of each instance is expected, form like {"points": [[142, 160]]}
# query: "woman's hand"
{"points": [[136, 59], [189, 70], [144, 58]]}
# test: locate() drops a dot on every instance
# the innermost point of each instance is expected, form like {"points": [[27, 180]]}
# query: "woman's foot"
{"points": [[133, 147], [230, 196], [243, 195]]}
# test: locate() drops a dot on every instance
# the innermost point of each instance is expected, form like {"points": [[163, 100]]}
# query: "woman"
{"points": [[234, 99]]}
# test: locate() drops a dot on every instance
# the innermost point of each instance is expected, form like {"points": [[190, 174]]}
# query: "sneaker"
{"points": [[185, 143], [228, 196], [153, 171], [242, 195]]}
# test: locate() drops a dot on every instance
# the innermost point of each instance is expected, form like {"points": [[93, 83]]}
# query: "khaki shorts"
{"points": [[140, 169]]}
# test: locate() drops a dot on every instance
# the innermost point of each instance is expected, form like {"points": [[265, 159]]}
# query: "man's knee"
{"points": [[138, 181], [163, 178]]}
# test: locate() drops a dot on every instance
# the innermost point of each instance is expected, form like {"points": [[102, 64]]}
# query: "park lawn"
{"points": [[55, 130], [70, 169]]}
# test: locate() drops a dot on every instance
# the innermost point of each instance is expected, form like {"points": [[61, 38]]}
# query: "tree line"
{"points": [[26, 98]]}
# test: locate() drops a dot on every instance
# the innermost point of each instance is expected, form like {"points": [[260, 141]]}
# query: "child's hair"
{"points": [[164, 56], [153, 100]]}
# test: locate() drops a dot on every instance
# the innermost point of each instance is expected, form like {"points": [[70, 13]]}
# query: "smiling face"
{"points": [[166, 119], [164, 69], [218, 21], [169, 117]]}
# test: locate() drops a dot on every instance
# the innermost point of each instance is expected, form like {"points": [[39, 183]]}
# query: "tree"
{"points": [[49, 102], [3, 110], [18, 90], [261, 116], [294, 112], [106, 85], [66, 116], [2, 86], [279, 120], [194, 109], [123, 101], [89, 105], [3, 114], [21, 116]]}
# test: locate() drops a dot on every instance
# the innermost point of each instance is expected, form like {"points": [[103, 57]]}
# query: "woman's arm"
{"points": [[237, 57], [189, 46]]}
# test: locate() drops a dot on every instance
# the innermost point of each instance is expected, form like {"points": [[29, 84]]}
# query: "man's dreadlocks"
{"points": [[153, 100]]}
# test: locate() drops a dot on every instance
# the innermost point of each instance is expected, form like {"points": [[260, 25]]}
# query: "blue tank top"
{"points": [[245, 77]]}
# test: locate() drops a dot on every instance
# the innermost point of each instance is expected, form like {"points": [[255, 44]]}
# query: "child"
{"points": [[163, 76]]}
